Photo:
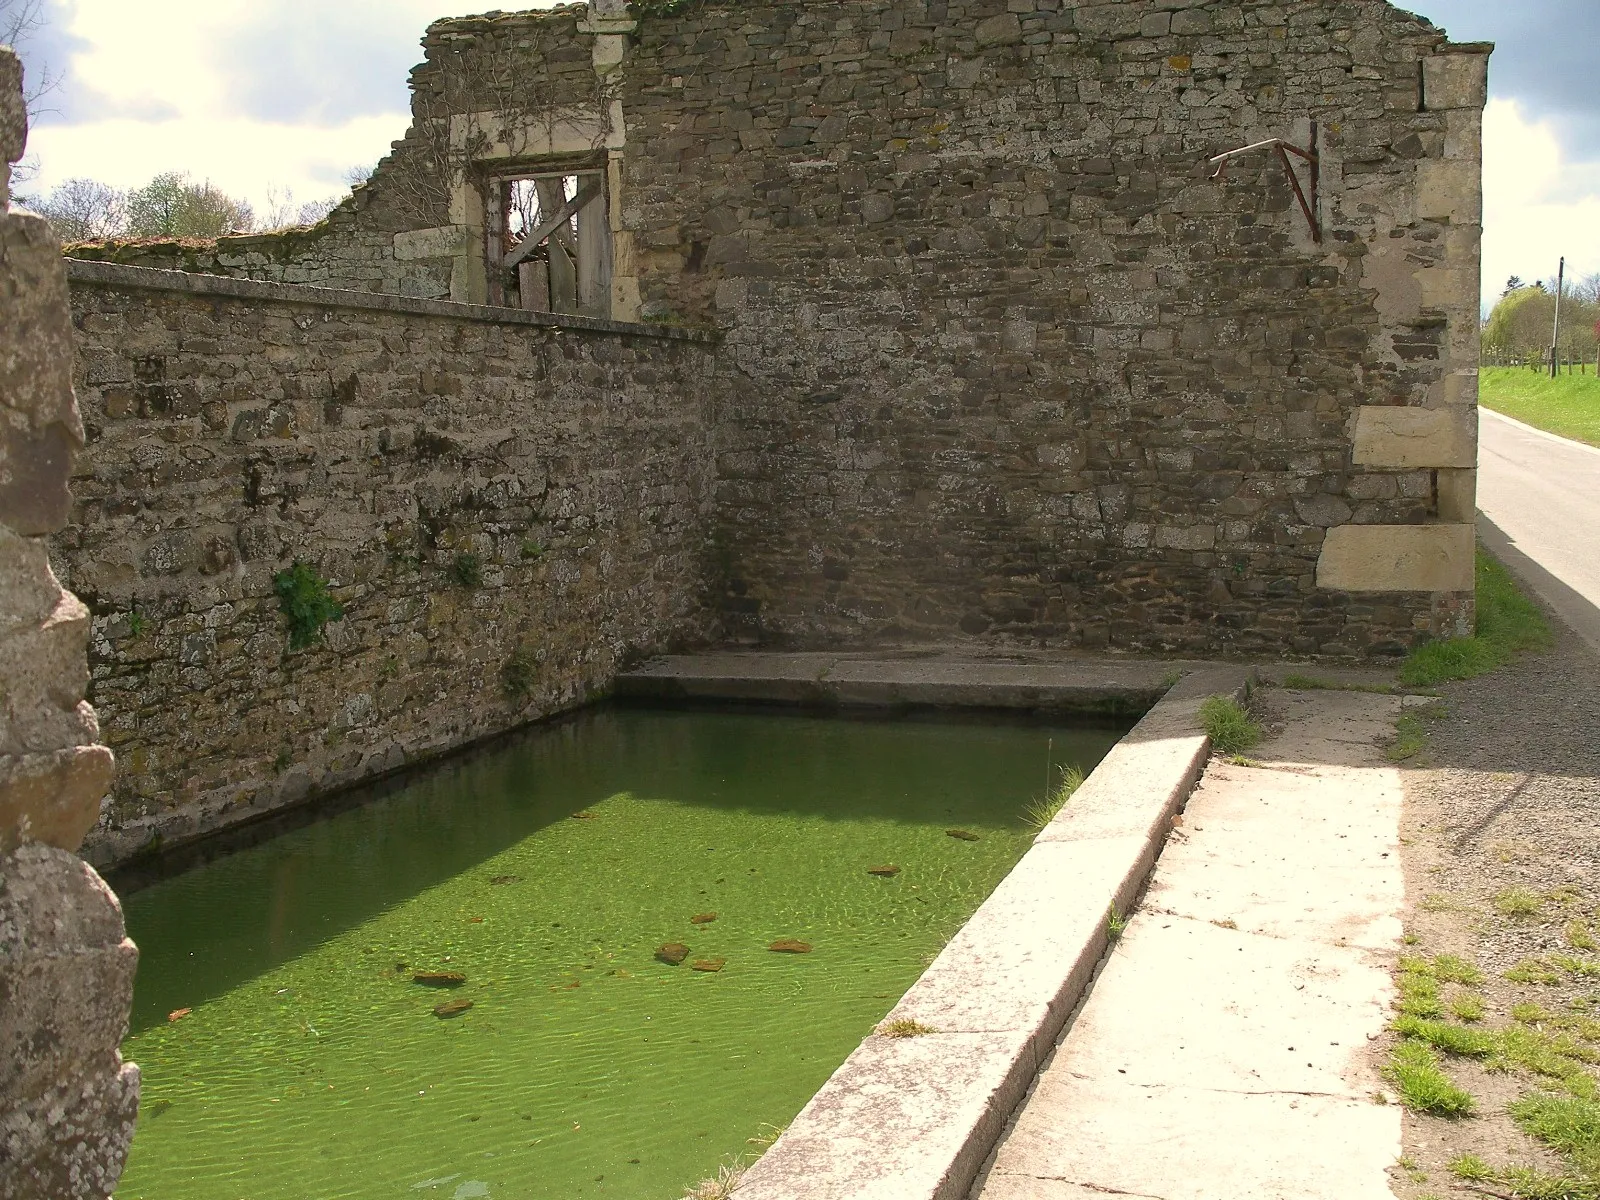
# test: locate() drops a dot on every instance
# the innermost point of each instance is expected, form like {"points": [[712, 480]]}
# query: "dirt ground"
{"points": [[1505, 797]]}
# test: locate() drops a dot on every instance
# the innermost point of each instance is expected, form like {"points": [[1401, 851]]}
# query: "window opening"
{"points": [[550, 243]]}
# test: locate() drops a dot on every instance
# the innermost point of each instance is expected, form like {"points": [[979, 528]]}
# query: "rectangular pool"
{"points": [[289, 1054]]}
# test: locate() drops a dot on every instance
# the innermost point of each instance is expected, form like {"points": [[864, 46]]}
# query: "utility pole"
{"points": [[1555, 338]]}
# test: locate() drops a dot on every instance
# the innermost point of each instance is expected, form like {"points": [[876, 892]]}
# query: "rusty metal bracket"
{"points": [[1283, 150]]}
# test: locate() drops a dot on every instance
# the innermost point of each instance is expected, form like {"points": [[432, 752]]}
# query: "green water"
{"points": [[311, 1066]]}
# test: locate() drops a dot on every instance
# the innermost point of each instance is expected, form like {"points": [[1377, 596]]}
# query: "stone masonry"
{"points": [[995, 360], [506, 506], [67, 1100]]}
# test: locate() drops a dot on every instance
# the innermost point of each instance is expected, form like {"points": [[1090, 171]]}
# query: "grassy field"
{"points": [[1568, 404]]}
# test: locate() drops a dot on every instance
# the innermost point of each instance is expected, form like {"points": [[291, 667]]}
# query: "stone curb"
{"points": [[914, 1118], [82, 272]]}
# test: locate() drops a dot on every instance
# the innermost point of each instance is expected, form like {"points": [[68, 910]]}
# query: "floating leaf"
{"points": [[963, 835], [702, 918], [885, 871], [790, 946], [583, 816], [673, 953], [506, 879], [448, 979], [708, 964], [452, 1008], [179, 1014]]}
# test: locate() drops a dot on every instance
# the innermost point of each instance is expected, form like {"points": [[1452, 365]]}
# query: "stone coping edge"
{"points": [[1092, 687], [915, 1117], [86, 272]]}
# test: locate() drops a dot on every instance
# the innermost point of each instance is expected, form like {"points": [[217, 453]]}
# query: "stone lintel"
{"points": [[1397, 558], [1390, 436]]}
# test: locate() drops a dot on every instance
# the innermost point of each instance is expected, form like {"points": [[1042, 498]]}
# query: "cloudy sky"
{"points": [[273, 94]]}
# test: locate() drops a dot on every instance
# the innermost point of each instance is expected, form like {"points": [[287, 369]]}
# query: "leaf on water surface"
{"points": [[154, 1108], [179, 1014], [453, 1008], [963, 835], [474, 920], [583, 816], [506, 879], [708, 964], [673, 953], [790, 946], [439, 978], [885, 871], [702, 918]]}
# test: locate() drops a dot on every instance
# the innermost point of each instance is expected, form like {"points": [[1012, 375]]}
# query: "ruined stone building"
{"points": [[825, 323]]}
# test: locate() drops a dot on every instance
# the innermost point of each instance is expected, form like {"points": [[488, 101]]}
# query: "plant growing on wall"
{"points": [[306, 603], [467, 570], [517, 675]]}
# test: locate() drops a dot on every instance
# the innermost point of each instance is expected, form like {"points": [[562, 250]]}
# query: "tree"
{"points": [[1512, 284], [82, 210], [171, 206]]}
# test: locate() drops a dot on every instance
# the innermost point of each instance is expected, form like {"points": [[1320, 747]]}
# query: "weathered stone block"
{"points": [[1002, 30], [1397, 558], [53, 798], [1387, 436], [13, 113], [1458, 495], [66, 981], [29, 592], [1450, 190], [1455, 81], [40, 430], [444, 241]]}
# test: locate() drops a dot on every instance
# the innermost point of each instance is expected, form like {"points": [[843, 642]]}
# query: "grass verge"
{"points": [[1228, 725], [1568, 405], [1508, 622]]}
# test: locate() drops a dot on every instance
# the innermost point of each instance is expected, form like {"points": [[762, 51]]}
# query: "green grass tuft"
{"points": [[1414, 1070], [1467, 1006], [1228, 725], [1508, 622], [1517, 902], [1565, 1124], [1532, 970], [1452, 1039], [1039, 813], [1450, 968]]}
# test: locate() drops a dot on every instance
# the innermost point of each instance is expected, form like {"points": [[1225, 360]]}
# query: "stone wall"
{"points": [[67, 1100], [1002, 362], [1010, 365], [505, 504]]}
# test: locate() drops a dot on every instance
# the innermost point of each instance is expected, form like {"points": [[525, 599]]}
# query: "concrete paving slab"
{"points": [[1223, 1049], [1293, 1002], [1190, 1143]]}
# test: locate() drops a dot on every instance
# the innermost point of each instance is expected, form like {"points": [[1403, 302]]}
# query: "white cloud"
{"points": [[159, 71], [1538, 204]]}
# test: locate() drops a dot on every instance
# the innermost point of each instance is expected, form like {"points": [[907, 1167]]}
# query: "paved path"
{"points": [[1223, 1053], [1539, 500]]}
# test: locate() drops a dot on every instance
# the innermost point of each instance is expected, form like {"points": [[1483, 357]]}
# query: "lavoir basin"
{"points": [[465, 988]]}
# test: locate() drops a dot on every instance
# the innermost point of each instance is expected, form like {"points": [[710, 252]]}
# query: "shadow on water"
{"points": [[268, 895]]}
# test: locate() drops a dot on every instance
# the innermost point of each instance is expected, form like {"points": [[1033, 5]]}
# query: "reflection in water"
{"points": [[312, 1064]]}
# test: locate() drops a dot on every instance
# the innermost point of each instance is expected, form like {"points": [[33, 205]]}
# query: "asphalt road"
{"points": [[1539, 512]]}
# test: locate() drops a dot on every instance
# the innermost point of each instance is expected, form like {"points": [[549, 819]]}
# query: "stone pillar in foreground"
{"points": [[67, 1100]]}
